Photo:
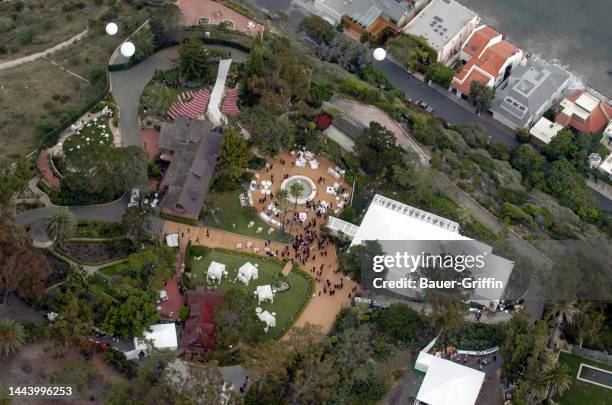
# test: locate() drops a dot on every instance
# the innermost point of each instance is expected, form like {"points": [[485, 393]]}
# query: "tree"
{"points": [[295, 191], [269, 133], [233, 158], [400, 322], [318, 29], [194, 62], [158, 99], [12, 336], [558, 377], [481, 96], [347, 53], [269, 362], [144, 41], [236, 321], [561, 146], [165, 25], [377, 150], [102, 173], [61, 226], [282, 196], [135, 225], [414, 52], [74, 322], [530, 164], [439, 73], [447, 315], [22, 269], [130, 317], [522, 135], [13, 180]]}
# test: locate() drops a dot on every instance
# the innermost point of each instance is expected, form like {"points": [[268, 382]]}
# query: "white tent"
{"points": [[215, 271], [172, 240], [268, 318], [160, 336], [449, 383], [264, 293], [247, 272]]}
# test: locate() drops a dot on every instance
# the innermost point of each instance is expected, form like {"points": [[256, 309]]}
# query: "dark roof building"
{"points": [[199, 332], [191, 146]]}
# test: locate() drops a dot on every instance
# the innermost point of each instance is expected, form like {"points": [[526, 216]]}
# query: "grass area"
{"points": [[31, 26], [224, 212], [38, 96], [95, 229], [95, 132], [581, 392], [287, 304]]}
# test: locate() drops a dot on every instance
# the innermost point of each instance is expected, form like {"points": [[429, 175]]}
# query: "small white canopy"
{"points": [[268, 319], [172, 240], [163, 295], [247, 272], [215, 271], [264, 293]]}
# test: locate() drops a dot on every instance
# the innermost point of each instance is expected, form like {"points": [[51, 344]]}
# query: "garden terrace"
{"points": [[95, 252], [95, 132], [287, 304]]}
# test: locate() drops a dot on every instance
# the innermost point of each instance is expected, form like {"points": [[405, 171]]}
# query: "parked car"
{"points": [[134, 198], [425, 106]]}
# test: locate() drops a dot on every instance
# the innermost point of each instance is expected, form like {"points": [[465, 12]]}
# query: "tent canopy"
{"points": [[247, 272], [215, 270], [172, 240], [163, 336], [268, 318], [449, 383], [264, 293]]}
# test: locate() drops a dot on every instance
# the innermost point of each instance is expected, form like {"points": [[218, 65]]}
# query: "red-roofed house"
{"points": [[584, 113], [488, 59], [199, 331]]}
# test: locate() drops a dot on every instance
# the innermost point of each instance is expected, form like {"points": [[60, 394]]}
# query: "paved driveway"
{"points": [[127, 85]]}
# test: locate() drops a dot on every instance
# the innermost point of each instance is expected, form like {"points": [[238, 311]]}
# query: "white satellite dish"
{"points": [[111, 28], [379, 54], [127, 49]]}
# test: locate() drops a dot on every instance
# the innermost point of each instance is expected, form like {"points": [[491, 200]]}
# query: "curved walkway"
{"points": [[46, 52]]}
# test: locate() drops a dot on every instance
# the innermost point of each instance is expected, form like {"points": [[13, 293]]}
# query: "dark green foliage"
{"points": [[439, 73], [318, 29]]}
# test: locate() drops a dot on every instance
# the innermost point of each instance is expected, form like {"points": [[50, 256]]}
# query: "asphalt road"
{"points": [[451, 111]]}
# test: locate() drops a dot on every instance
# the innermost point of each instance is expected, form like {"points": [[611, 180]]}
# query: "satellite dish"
{"points": [[127, 49], [379, 54], [111, 28]]}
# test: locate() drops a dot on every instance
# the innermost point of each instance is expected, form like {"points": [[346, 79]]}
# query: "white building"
{"points": [[390, 220], [606, 166], [544, 130], [606, 139], [446, 25]]}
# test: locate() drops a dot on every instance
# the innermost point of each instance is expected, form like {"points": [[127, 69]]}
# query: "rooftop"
{"points": [[449, 383], [365, 12], [530, 86], [545, 130], [200, 326], [584, 112], [440, 22]]}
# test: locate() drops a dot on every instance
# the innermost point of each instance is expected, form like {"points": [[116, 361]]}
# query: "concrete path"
{"points": [[49, 51]]}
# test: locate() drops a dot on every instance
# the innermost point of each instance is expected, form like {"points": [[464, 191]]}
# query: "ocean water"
{"points": [[577, 33]]}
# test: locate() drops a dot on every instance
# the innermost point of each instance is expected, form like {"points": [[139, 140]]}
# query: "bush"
{"points": [[119, 362]]}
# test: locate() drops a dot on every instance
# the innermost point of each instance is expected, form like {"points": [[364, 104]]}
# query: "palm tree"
{"points": [[12, 336], [558, 377], [61, 226], [282, 196], [295, 190]]}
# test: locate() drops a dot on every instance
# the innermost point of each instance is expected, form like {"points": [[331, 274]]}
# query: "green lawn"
{"points": [[286, 304], [93, 133], [224, 212], [581, 392]]}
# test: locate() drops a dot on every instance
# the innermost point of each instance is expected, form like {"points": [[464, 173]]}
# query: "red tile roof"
{"points": [[596, 122], [199, 332], [487, 58]]}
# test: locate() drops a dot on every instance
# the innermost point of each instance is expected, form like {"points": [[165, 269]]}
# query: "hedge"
{"points": [[175, 218]]}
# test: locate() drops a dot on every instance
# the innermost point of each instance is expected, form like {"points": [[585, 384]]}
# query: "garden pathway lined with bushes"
{"points": [[320, 310]]}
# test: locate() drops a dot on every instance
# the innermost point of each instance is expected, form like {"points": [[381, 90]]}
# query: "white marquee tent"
{"points": [[247, 272], [172, 240], [449, 383], [160, 336], [268, 318], [264, 293], [215, 271]]}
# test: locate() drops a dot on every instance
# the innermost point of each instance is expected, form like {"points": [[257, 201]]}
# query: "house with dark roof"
{"points": [[199, 331], [487, 58], [191, 147], [531, 89], [376, 17]]}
